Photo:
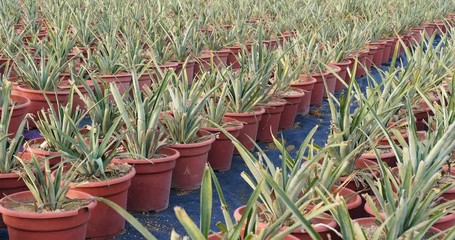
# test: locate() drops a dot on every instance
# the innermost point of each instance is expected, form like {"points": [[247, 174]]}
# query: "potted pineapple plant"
{"points": [[183, 128], [220, 154], [49, 209], [145, 150]]}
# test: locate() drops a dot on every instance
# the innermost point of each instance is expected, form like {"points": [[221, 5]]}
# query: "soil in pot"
{"points": [[268, 126], [20, 109], [25, 223], [293, 99], [250, 122], [220, 154], [151, 186], [105, 222], [189, 167], [319, 223]]}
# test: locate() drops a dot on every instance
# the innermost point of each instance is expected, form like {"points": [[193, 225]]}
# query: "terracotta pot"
{"points": [[151, 186], [386, 52], [392, 42], [363, 164], [332, 80], [306, 84], [69, 225], [268, 126], [353, 201], [19, 110], [220, 154], [189, 167], [289, 113], [270, 44], [343, 73], [449, 194], [232, 57], [361, 58], [324, 231], [77, 101], [430, 28], [189, 69], [122, 80], [441, 27], [38, 99], [416, 35], [220, 57], [10, 183], [388, 158], [379, 55], [250, 122], [446, 222], [30, 146], [105, 222], [371, 221], [202, 63], [318, 88], [369, 60]]}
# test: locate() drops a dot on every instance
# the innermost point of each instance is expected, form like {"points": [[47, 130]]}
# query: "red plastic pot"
{"points": [[77, 101], [430, 28], [332, 80], [306, 84], [202, 63], [19, 111], [54, 157], [324, 231], [105, 222], [268, 126], [122, 80], [189, 167], [220, 57], [449, 194], [386, 52], [352, 198], [416, 35], [63, 225], [250, 122], [318, 88], [343, 73], [151, 186], [293, 99], [10, 183], [232, 57], [189, 69], [388, 158], [220, 154], [371, 51], [38, 99], [379, 55], [392, 42]]}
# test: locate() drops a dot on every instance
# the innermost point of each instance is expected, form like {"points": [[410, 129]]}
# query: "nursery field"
{"points": [[205, 119]]}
